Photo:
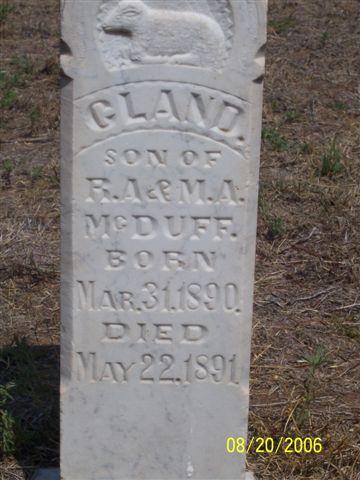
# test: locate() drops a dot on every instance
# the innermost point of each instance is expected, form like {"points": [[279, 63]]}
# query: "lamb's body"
{"points": [[168, 36]]}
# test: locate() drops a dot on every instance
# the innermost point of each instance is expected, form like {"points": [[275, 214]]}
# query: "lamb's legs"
{"points": [[185, 59]]}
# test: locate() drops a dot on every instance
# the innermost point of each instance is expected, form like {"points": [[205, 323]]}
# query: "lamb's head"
{"points": [[126, 17]]}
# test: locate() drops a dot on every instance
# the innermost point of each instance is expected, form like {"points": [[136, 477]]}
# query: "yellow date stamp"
{"points": [[274, 446]]}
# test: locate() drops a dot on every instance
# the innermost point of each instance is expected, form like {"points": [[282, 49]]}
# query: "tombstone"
{"points": [[161, 123]]}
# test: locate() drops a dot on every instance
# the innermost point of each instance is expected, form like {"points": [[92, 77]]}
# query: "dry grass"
{"points": [[305, 365]]}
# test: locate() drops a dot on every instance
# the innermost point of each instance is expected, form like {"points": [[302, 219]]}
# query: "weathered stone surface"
{"points": [[54, 474], [160, 148]]}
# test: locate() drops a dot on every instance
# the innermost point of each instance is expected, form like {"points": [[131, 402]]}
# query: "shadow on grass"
{"points": [[29, 405]]}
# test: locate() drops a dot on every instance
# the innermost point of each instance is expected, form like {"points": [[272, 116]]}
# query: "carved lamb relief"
{"points": [[186, 32]]}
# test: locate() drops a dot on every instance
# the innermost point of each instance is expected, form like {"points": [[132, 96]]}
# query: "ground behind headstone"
{"points": [[306, 333]]}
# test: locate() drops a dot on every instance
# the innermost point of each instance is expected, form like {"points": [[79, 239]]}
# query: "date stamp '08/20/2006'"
{"points": [[273, 446]]}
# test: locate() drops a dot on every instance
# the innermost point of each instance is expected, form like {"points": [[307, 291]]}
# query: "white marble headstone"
{"points": [[161, 122]]}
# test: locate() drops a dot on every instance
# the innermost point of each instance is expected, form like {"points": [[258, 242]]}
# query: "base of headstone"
{"points": [[47, 474], [54, 474]]}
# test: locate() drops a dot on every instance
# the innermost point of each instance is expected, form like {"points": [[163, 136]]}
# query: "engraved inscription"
{"points": [[162, 217], [165, 105], [167, 298], [163, 368], [101, 190], [167, 260], [160, 333], [142, 227]]}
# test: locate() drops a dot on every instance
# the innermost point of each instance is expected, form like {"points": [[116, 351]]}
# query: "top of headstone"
{"points": [[187, 32], [202, 41]]}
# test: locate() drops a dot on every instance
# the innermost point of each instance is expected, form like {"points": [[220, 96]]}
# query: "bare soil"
{"points": [[305, 352]]}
